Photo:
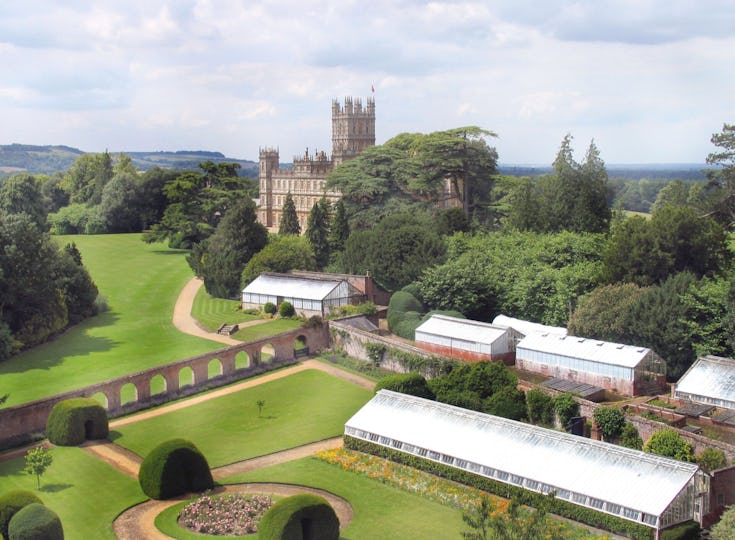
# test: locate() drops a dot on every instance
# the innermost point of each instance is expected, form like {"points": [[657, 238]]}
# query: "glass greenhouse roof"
{"points": [[710, 376], [617, 475], [528, 327], [464, 329], [291, 287], [603, 352]]}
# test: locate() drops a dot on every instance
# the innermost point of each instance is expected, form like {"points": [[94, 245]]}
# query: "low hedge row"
{"points": [[75, 420], [529, 498], [298, 518]]}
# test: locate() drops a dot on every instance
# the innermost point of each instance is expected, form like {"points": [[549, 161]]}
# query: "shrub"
{"points": [[299, 517], [539, 407], [668, 443], [712, 459], [286, 309], [173, 468], [685, 531], [611, 422], [35, 522], [413, 384], [566, 408], [73, 421], [406, 326], [508, 402], [447, 312], [400, 303], [270, 308], [631, 438], [10, 503]]}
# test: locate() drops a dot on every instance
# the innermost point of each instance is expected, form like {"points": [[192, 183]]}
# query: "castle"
{"points": [[353, 130]]}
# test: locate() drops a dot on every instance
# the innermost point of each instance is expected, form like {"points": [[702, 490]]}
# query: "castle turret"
{"points": [[353, 128], [268, 159]]}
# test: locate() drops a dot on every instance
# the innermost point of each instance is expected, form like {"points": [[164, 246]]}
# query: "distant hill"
{"points": [[16, 158], [651, 171]]}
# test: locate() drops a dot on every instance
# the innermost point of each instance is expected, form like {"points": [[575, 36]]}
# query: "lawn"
{"points": [[299, 409], [381, 511], [141, 283], [270, 328], [212, 312], [85, 492]]}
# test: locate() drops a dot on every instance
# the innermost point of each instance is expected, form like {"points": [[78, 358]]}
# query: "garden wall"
{"points": [[389, 353], [23, 423]]}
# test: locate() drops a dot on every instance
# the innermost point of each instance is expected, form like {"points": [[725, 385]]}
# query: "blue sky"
{"points": [[649, 80]]}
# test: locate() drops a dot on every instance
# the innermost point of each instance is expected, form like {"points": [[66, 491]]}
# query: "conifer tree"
{"points": [[289, 220], [340, 228], [317, 231]]}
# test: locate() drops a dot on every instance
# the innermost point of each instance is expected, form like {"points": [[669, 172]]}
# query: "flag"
{"points": [[372, 88]]}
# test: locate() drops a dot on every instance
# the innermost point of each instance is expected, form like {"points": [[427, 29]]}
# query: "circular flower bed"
{"points": [[225, 515]]}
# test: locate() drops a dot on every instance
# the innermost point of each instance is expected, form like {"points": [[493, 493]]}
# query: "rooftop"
{"points": [[463, 329]]}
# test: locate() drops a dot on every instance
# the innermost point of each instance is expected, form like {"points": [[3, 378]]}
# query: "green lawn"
{"points": [[212, 312], [141, 283], [299, 409], [85, 492], [276, 326], [381, 511]]}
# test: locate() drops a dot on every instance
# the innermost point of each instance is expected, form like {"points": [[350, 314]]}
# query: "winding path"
{"points": [[138, 522]]}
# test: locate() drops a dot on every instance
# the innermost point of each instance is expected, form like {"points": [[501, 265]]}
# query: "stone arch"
{"points": [[158, 385], [186, 377], [128, 394], [300, 346], [242, 360], [267, 353], [214, 368], [101, 398]]}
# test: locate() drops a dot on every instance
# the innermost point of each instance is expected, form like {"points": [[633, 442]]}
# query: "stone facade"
{"points": [[353, 130]]}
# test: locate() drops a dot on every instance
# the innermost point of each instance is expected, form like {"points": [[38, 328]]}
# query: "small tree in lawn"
{"points": [[37, 461], [260, 403]]}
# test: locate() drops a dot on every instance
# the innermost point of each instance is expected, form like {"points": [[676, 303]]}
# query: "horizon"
{"points": [[648, 83]]}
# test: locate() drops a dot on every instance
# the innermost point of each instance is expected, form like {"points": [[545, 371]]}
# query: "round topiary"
{"points": [[298, 518], [173, 468], [35, 522], [10, 503], [286, 309], [73, 421], [270, 307]]}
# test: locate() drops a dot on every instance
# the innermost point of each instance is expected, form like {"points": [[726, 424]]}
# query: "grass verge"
{"points": [[213, 312]]}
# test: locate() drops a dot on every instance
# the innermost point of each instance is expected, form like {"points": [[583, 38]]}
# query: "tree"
{"points": [[219, 260], [87, 178], [120, 204], [722, 180], [124, 165], [725, 528], [611, 422], [539, 407], [667, 442], [477, 518], [317, 231], [37, 461], [606, 313], [260, 403], [21, 193], [289, 220], [283, 253], [711, 459], [630, 437], [339, 230], [508, 402]]}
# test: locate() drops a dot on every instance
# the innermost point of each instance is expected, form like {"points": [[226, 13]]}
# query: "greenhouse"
{"points": [[652, 490], [710, 380], [309, 296], [465, 339], [527, 327], [625, 369]]}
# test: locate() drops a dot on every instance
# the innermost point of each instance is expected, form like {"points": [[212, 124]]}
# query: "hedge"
{"points": [[173, 468], [35, 522], [560, 507], [400, 303], [10, 503], [684, 531], [73, 421], [413, 384], [298, 518]]}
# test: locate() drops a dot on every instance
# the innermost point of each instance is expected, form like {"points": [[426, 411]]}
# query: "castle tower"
{"points": [[268, 159], [353, 128]]}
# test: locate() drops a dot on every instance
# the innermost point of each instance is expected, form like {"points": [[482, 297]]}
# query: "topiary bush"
{"points": [[270, 307], [286, 309], [413, 384], [173, 468], [299, 517], [400, 303], [35, 522], [10, 503], [73, 421]]}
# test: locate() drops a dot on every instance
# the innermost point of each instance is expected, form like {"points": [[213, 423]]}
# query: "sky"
{"points": [[650, 81]]}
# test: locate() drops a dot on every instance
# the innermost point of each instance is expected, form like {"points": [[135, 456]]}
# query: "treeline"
{"points": [[43, 289]]}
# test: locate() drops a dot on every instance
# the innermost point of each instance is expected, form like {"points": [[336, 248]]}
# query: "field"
{"points": [[141, 283]]}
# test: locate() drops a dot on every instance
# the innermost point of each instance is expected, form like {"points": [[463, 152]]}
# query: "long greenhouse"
{"points": [[651, 490], [710, 380], [625, 369]]}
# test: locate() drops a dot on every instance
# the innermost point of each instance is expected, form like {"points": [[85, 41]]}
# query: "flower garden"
{"points": [[438, 489], [225, 515]]}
